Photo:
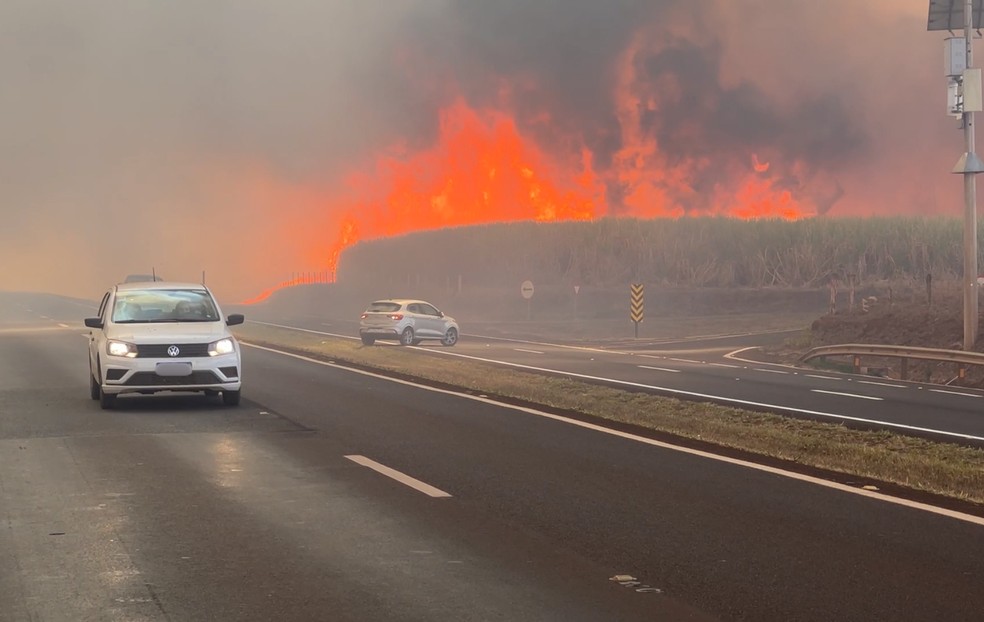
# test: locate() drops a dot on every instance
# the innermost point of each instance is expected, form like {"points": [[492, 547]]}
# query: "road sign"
{"points": [[526, 289], [577, 288], [636, 304]]}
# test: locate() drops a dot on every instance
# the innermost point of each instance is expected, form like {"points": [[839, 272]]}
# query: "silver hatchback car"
{"points": [[407, 321]]}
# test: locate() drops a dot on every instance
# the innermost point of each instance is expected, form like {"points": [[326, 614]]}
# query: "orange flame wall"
{"points": [[481, 168]]}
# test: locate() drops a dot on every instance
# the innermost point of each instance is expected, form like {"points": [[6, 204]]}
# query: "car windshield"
{"points": [[383, 307], [164, 305]]}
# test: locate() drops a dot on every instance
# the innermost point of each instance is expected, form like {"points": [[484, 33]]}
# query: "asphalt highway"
{"points": [[722, 369], [332, 494]]}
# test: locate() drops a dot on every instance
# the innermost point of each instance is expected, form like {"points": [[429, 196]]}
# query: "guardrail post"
{"points": [[857, 364], [904, 369], [961, 371]]}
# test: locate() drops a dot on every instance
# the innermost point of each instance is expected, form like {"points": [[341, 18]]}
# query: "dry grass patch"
{"points": [[940, 468]]}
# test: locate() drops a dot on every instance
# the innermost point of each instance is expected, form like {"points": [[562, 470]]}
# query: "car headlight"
{"points": [[121, 348], [222, 346]]}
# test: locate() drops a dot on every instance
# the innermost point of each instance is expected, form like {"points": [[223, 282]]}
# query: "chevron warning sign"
{"points": [[636, 303]]}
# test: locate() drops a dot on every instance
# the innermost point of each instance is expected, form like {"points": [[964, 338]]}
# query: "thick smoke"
{"points": [[215, 136]]}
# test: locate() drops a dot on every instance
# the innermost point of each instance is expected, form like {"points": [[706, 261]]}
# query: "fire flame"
{"points": [[482, 169]]}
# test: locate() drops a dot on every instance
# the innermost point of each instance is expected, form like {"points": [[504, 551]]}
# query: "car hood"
{"points": [[169, 332]]}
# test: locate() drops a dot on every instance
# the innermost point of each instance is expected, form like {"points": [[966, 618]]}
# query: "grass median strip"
{"points": [[919, 464]]}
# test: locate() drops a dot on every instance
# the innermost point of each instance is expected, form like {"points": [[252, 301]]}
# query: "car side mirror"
{"points": [[235, 318], [440, 313], [93, 322]]}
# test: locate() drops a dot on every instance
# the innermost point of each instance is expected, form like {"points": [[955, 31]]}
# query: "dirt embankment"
{"points": [[912, 322]]}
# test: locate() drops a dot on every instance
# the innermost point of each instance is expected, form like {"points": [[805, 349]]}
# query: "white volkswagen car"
{"points": [[161, 336]]}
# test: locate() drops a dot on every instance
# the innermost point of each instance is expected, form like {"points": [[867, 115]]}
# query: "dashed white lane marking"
{"points": [[822, 377], [403, 478], [684, 361], [675, 371], [860, 397], [882, 384], [871, 494], [771, 371], [725, 365], [945, 392], [64, 325], [527, 351]]}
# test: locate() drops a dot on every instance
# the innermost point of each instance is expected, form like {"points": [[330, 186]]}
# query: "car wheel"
{"points": [[94, 388], [406, 339], [106, 400], [368, 341], [231, 398], [450, 338]]}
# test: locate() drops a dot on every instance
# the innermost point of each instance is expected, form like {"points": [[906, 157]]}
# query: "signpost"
{"points": [[526, 289], [577, 288], [636, 306]]}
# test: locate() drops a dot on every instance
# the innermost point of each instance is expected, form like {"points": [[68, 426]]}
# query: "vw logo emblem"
{"points": [[173, 351]]}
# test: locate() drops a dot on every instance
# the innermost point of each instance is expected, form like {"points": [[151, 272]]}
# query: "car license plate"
{"points": [[173, 369]]}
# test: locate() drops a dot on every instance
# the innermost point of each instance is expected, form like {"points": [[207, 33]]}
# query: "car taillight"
{"points": [[396, 316]]}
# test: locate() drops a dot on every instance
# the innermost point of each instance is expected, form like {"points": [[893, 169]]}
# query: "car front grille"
{"points": [[150, 379], [159, 350]]}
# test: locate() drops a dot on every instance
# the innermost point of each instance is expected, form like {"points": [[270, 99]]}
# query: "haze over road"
{"points": [[309, 502], [716, 368]]}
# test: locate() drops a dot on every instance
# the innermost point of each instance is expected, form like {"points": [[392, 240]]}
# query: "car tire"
{"points": [[406, 338], [231, 398], [94, 388], [450, 338], [106, 400], [368, 341]]}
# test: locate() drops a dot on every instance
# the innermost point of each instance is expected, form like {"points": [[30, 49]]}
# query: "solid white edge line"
{"points": [[729, 400], [705, 396], [860, 397], [304, 330], [403, 478], [969, 518]]}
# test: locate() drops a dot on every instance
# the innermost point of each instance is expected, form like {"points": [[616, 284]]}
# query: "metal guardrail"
{"points": [[857, 350]]}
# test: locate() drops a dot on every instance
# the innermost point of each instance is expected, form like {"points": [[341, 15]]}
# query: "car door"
{"points": [[96, 340], [433, 320], [418, 320]]}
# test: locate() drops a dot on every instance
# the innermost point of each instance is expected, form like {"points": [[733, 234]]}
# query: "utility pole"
{"points": [[964, 98], [971, 166]]}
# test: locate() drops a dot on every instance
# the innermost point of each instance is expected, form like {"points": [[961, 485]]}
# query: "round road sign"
{"points": [[526, 289]]}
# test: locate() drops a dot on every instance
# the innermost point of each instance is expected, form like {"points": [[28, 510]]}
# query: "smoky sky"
{"points": [[200, 135]]}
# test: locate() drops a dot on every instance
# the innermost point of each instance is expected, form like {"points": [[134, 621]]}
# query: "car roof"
{"points": [[145, 285], [402, 301]]}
